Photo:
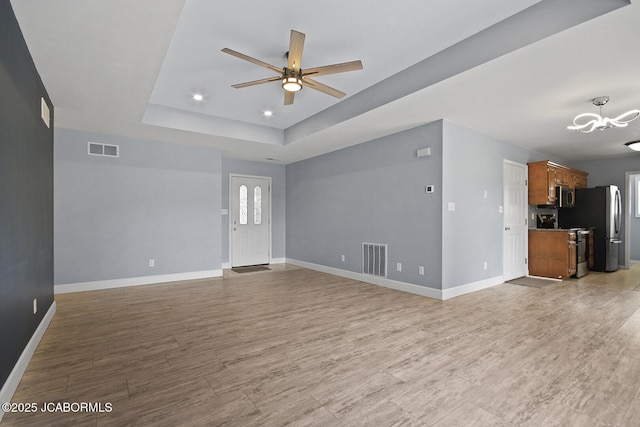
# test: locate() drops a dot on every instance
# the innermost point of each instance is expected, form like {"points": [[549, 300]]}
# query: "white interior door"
{"points": [[514, 240], [250, 203]]}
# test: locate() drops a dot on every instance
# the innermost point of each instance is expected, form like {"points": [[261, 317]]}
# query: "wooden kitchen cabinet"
{"points": [[552, 253], [542, 183], [581, 179], [545, 176]]}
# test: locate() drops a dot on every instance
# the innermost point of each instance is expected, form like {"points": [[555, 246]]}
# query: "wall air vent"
{"points": [[98, 149], [374, 259]]}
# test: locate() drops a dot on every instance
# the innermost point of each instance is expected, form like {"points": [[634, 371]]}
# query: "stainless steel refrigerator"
{"points": [[599, 208]]}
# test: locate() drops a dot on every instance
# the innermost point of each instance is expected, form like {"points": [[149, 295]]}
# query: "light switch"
{"points": [[423, 152], [451, 206]]}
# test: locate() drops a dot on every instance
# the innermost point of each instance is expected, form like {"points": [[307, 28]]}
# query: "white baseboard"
{"points": [[472, 287], [403, 286], [226, 265], [10, 386], [134, 281], [380, 281]]}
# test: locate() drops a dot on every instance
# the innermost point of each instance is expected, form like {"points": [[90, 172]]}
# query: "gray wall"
{"points": [[372, 192], [472, 234], [278, 206], [611, 171], [156, 201], [26, 194]]}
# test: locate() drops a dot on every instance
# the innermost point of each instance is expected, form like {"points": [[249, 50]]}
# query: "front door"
{"points": [[250, 220], [515, 221]]}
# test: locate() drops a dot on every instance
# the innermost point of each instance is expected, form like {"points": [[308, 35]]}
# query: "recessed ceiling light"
{"points": [[268, 113], [198, 97]]}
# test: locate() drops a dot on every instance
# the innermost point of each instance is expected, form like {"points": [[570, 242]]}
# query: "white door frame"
{"points": [[627, 217], [525, 241], [237, 175]]}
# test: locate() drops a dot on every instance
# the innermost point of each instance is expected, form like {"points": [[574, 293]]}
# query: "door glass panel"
{"points": [[243, 204], [257, 205]]}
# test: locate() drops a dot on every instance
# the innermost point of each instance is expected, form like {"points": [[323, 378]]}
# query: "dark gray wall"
{"points": [[278, 206], [26, 194], [472, 234], [156, 201], [611, 171], [372, 192]]}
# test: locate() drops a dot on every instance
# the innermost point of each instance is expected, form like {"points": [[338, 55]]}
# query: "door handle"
{"points": [[507, 228]]}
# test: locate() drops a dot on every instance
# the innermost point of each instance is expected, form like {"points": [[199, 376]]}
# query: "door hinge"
{"points": [[526, 221], [526, 182], [526, 261]]}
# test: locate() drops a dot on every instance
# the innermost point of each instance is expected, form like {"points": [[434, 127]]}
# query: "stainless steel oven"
{"points": [[582, 250]]}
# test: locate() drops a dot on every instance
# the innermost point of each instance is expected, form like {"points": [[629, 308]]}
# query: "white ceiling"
{"points": [[131, 67]]}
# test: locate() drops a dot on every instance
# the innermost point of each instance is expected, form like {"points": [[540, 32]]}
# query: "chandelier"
{"points": [[588, 122]]}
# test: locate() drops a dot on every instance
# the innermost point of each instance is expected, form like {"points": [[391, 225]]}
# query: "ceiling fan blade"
{"points": [[322, 88], [256, 82], [296, 44], [288, 97], [333, 69], [250, 59]]}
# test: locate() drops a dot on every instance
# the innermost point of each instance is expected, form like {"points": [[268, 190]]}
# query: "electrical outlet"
{"points": [[152, 262], [421, 270], [35, 305], [399, 266], [342, 258], [485, 265]]}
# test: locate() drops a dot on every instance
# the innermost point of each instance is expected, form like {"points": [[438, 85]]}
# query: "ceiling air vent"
{"points": [[97, 149]]}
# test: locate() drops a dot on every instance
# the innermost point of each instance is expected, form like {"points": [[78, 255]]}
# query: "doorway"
{"points": [[631, 239], [514, 237], [250, 220]]}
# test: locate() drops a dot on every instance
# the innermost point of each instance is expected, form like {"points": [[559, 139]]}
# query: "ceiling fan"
{"points": [[292, 76]]}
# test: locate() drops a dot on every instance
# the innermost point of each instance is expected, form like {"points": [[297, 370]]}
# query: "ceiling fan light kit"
{"points": [[588, 122], [294, 78], [291, 82]]}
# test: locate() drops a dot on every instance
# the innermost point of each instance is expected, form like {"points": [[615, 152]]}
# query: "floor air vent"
{"points": [[97, 149], [374, 259]]}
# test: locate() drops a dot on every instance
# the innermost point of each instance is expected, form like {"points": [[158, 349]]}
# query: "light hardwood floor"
{"points": [[302, 347]]}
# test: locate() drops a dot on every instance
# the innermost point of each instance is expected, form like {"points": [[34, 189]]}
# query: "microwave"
{"points": [[565, 197]]}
